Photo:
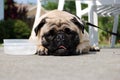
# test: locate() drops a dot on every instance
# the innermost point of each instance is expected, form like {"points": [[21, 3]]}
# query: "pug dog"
{"points": [[60, 33]]}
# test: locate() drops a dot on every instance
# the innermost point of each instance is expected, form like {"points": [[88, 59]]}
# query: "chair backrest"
{"points": [[101, 2], [108, 10], [104, 7]]}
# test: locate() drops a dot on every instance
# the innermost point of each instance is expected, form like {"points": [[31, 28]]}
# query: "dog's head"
{"points": [[60, 35]]}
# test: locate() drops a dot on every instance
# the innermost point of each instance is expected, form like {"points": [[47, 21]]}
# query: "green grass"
{"points": [[108, 45], [1, 45]]}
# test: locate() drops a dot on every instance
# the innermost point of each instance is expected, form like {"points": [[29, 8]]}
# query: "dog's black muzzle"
{"points": [[62, 47], [61, 43], [64, 44]]}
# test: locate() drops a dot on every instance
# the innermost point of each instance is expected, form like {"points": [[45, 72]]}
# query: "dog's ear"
{"points": [[78, 23], [42, 22]]}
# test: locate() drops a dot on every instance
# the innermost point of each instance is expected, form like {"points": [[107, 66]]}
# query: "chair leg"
{"points": [[36, 16], [38, 11], [78, 8], [115, 26], [61, 4], [93, 32]]}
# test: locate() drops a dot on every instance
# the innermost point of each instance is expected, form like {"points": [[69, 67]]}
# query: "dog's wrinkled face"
{"points": [[59, 37]]}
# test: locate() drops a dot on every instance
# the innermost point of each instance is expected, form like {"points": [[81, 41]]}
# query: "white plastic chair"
{"points": [[95, 7]]}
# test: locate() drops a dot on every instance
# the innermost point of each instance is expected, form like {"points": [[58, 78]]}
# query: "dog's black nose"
{"points": [[60, 37]]}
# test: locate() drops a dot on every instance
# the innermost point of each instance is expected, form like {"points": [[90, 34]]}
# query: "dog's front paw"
{"points": [[83, 48], [82, 51], [42, 50]]}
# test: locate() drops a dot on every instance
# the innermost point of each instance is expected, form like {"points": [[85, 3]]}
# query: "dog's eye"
{"points": [[50, 35], [67, 30], [52, 32]]}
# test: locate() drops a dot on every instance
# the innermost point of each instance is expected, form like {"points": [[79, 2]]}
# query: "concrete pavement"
{"points": [[103, 65]]}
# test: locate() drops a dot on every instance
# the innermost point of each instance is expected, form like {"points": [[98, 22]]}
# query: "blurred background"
{"points": [[19, 17]]}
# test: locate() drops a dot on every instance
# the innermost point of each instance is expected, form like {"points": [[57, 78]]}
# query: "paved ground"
{"points": [[103, 65]]}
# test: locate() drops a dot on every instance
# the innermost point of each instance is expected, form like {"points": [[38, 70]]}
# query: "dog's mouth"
{"points": [[60, 51], [62, 47]]}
